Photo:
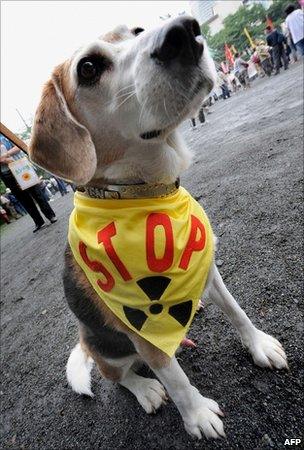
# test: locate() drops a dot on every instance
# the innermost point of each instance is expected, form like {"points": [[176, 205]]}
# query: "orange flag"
{"points": [[229, 55], [269, 22]]}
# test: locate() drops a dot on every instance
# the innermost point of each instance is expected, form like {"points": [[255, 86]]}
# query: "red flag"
{"points": [[269, 22], [229, 55]]}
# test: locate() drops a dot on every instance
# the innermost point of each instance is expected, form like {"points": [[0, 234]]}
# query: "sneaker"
{"points": [[53, 219], [38, 227]]}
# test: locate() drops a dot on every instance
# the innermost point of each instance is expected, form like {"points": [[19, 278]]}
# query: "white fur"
{"points": [[134, 97], [138, 96], [200, 414], [78, 371], [149, 392], [266, 351]]}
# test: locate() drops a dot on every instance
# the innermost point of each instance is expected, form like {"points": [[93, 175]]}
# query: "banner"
{"points": [[246, 32], [24, 173], [229, 55]]}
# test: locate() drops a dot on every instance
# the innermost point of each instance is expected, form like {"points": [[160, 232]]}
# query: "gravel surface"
{"points": [[247, 172]]}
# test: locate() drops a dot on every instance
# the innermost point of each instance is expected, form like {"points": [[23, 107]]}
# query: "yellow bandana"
{"points": [[147, 259]]}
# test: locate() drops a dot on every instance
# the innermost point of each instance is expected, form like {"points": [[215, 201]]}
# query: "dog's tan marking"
{"points": [[59, 143], [112, 37], [106, 370]]}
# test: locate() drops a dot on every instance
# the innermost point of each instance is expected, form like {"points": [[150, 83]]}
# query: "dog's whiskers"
{"points": [[165, 107], [125, 88], [142, 111], [121, 96], [129, 96]]}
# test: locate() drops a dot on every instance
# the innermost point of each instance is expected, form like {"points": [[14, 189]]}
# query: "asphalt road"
{"points": [[247, 173]]}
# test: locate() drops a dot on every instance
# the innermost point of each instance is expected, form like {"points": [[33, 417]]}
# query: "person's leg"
{"points": [[23, 197], [61, 187], [201, 115], [19, 208], [284, 58], [193, 122], [267, 66], [276, 59], [293, 50], [4, 216], [300, 47], [12, 212], [38, 195], [64, 187]]}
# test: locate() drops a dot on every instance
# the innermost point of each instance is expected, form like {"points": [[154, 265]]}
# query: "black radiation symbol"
{"points": [[154, 287]]}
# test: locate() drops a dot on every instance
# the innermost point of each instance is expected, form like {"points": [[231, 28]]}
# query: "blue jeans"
{"points": [[300, 47]]}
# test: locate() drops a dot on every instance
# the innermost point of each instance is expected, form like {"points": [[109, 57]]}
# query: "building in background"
{"points": [[213, 12], [265, 3]]}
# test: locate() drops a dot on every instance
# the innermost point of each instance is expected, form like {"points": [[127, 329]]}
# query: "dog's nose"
{"points": [[177, 41]]}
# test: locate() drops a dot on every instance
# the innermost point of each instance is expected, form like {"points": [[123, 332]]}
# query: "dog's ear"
{"points": [[59, 143]]}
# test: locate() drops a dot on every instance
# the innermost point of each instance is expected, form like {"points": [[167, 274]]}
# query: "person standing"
{"points": [[275, 40], [241, 70], [16, 204], [262, 51], [222, 81], [295, 25], [61, 186], [26, 197]]}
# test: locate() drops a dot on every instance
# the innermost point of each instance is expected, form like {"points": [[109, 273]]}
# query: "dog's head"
{"points": [[125, 92]]}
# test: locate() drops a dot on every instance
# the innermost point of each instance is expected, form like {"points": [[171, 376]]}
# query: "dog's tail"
{"points": [[78, 371]]}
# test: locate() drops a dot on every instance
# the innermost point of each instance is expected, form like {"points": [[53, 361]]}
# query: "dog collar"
{"points": [[129, 191]]}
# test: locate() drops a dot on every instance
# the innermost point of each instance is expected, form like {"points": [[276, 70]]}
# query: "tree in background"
{"points": [[276, 10], [2, 187], [253, 18], [26, 134], [214, 51]]}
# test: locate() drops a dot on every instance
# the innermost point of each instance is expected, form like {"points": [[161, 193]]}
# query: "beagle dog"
{"points": [[108, 121]]}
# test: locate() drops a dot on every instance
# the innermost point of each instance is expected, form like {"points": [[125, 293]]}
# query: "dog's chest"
{"points": [[148, 260]]}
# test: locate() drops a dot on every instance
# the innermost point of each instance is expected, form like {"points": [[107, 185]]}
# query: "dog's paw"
{"points": [[203, 418], [150, 394], [267, 351]]}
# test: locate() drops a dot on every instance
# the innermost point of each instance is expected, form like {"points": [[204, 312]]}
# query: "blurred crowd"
{"points": [[265, 57], [35, 200]]}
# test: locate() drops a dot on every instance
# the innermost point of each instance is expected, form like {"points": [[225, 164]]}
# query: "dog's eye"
{"points": [[136, 31], [90, 68]]}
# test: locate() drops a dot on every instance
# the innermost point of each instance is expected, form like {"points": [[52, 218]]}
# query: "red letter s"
{"points": [[97, 266]]}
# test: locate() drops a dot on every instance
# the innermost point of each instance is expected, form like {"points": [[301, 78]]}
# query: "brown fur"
{"points": [[106, 370], [112, 37], [59, 143]]}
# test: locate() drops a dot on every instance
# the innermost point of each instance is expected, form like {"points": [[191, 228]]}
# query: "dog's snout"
{"points": [[177, 41]]}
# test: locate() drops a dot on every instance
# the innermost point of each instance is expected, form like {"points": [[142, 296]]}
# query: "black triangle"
{"points": [[181, 312], [154, 287], [136, 317]]}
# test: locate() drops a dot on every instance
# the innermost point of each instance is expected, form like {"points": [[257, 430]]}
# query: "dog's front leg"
{"points": [[200, 414], [265, 349]]}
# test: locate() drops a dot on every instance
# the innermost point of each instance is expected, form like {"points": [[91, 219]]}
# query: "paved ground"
{"points": [[247, 173]]}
